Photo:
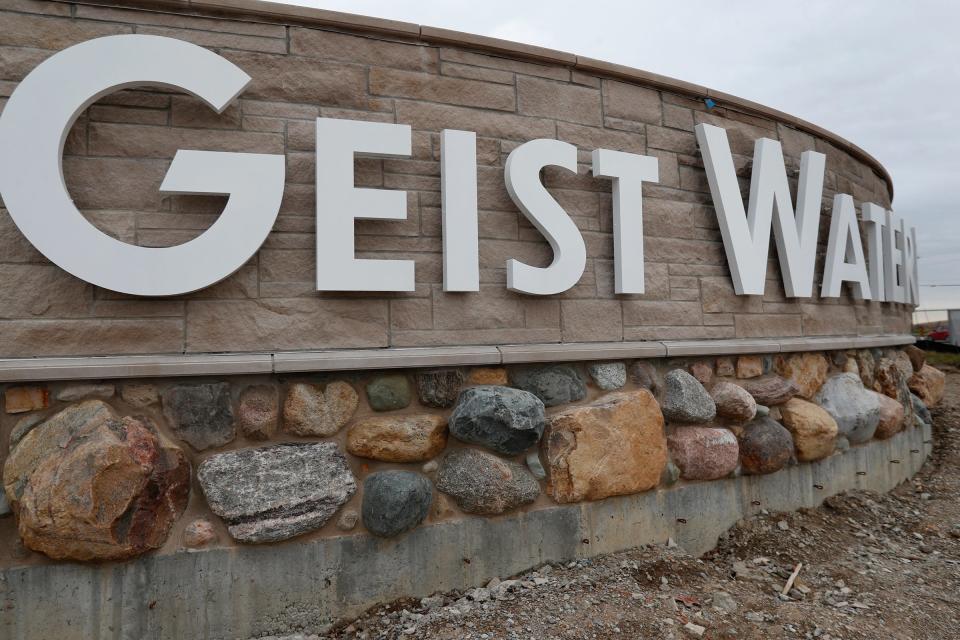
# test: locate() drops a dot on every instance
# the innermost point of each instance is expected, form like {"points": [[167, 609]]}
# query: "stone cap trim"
{"points": [[207, 364], [427, 34]]}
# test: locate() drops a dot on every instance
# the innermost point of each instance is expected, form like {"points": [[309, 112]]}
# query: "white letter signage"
{"points": [[35, 124], [522, 177], [746, 236]]}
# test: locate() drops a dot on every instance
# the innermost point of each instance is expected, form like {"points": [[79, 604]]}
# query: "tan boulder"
{"points": [[808, 370], [891, 417], [749, 367], [311, 410], [928, 384], [90, 486], [613, 446], [398, 438], [814, 430]]}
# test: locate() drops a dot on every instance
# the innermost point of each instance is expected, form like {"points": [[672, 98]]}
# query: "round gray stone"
{"points": [[685, 400], [856, 410], [390, 392], [554, 384], [395, 501], [506, 420], [482, 483], [201, 414], [608, 375]]}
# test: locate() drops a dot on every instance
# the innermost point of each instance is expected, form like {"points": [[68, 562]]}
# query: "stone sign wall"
{"points": [[121, 147]]}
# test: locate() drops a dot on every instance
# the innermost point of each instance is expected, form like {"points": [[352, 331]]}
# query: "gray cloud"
{"points": [[884, 75]]}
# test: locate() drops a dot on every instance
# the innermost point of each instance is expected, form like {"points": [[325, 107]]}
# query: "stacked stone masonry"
{"points": [[113, 469], [121, 147]]}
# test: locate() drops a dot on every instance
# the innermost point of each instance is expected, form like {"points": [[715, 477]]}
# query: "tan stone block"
{"points": [[435, 117], [115, 183], [126, 115], [672, 140], [30, 338], [749, 367], [767, 325], [23, 399], [693, 179], [331, 45], [144, 98], [34, 290], [613, 446], [38, 6], [302, 80], [17, 62], [476, 73], [673, 332], [628, 101], [261, 325], [437, 338], [14, 247], [435, 88], [47, 32], [488, 309], [590, 138], [411, 313], [187, 111], [677, 117], [488, 375], [559, 101], [493, 62], [682, 251], [719, 297], [591, 320], [110, 139], [539, 313], [828, 319], [666, 313], [179, 20], [217, 40]]}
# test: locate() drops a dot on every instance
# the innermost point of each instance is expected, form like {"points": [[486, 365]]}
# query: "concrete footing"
{"points": [[300, 586]]}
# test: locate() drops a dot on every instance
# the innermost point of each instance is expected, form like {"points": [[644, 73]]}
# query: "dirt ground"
{"points": [[873, 566]]}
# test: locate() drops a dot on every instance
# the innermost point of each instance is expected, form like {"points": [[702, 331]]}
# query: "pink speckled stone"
{"points": [[703, 453]]}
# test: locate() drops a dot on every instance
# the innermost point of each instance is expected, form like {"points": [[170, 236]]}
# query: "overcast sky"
{"points": [[885, 75]]}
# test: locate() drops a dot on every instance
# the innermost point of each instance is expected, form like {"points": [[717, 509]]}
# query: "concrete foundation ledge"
{"points": [[302, 586]]}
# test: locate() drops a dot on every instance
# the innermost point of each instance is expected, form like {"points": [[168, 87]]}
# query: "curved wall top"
{"points": [[309, 63]]}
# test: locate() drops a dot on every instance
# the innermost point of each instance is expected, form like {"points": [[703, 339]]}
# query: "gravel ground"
{"points": [[870, 566]]}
